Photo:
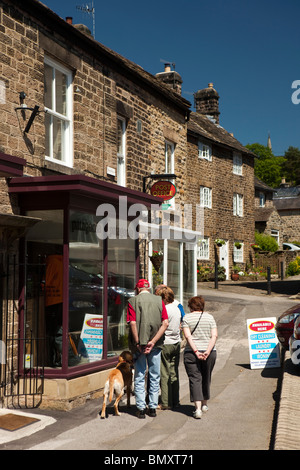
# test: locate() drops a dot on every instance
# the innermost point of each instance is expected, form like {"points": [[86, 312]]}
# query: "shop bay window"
{"points": [[58, 116], [74, 300]]}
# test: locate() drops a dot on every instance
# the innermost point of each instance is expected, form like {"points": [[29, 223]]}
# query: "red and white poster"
{"points": [[263, 343]]}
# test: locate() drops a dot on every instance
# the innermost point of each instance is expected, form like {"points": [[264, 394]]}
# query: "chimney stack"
{"points": [[69, 19], [170, 78], [207, 102]]}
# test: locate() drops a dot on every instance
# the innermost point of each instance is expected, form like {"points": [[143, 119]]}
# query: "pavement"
{"points": [[287, 435], [287, 430]]}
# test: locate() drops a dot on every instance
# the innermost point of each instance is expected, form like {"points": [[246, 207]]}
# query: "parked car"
{"points": [[294, 343], [290, 247], [285, 325]]}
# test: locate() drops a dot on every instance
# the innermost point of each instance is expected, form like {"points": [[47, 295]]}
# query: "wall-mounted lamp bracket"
{"points": [[34, 112]]}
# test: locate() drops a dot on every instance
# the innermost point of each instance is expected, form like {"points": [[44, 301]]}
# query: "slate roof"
{"points": [[287, 192], [86, 42], [287, 198], [288, 203], [201, 125], [262, 214], [262, 186]]}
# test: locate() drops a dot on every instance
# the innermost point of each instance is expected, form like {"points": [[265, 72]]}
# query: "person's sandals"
{"points": [[163, 407], [197, 414]]}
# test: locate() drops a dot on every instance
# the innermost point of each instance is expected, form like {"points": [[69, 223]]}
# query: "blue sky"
{"points": [[249, 50]]}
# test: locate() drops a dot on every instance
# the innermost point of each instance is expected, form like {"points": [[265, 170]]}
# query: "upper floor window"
{"points": [[203, 248], [237, 164], [205, 197], [169, 157], [121, 166], [59, 113], [170, 166], [262, 199], [204, 151], [238, 204]]}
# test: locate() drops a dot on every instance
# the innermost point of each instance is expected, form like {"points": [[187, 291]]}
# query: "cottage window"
{"points": [[275, 234], [203, 248], [205, 197], [59, 110], [262, 199], [204, 151], [238, 252], [238, 203], [169, 166], [237, 164], [169, 157], [121, 168]]}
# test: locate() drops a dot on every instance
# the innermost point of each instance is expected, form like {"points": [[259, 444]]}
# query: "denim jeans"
{"points": [[141, 361]]}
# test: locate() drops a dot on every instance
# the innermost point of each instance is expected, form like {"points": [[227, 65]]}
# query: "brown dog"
{"points": [[117, 380]]}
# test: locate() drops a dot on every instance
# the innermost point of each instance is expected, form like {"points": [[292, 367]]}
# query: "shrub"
{"points": [[293, 268], [207, 273], [266, 242]]}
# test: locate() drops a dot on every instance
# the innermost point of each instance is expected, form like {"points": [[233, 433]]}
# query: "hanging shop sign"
{"points": [[263, 343], [163, 189]]}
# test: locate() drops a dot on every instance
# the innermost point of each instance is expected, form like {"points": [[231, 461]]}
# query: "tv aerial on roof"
{"points": [[89, 9], [168, 62]]}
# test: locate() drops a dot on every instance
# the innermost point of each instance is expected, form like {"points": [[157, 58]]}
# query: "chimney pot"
{"points": [[69, 19], [207, 102]]}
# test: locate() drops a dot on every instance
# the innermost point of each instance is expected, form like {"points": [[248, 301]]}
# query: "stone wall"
{"points": [[100, 94], [217, 174]]}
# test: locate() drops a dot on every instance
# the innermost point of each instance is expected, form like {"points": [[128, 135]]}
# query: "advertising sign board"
{"points": [[263, 343], [92, 336], [163, 189]]}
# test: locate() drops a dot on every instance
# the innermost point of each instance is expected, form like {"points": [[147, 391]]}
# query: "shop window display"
{"points": [[44, 287]]}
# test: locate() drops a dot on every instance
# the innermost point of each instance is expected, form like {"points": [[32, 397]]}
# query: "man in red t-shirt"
{"points": [[148, 320]]}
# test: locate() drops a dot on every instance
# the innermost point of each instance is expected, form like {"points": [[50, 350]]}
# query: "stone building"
{"points": [[287, 204], [267, 219], [277, 211], [83, 133], [221, 179]]}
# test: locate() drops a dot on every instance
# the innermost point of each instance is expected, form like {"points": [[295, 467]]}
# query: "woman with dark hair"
{"points": [[201, 333]]}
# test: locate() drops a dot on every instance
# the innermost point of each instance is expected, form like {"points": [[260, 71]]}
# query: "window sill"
{"points": [[59, 167]]}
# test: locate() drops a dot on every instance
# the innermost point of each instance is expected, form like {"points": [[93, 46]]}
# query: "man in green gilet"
{"points": [[148, 320]]}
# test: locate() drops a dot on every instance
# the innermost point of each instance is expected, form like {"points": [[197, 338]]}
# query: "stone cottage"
{"points": [[221, 180]]}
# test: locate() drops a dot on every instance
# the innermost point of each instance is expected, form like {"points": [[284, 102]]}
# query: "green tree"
{"points": [[267, 167], [291, 165]]}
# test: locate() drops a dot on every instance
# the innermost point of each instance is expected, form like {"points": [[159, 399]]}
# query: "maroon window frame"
{"points": [[83, 193]]}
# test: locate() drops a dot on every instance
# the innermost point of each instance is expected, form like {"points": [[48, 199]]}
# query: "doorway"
{"points": [[224, 258]]}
